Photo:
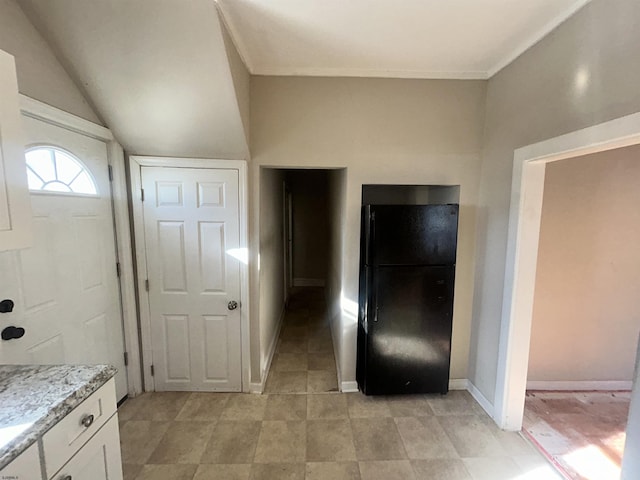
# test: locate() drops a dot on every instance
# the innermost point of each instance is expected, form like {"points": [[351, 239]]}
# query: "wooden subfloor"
{"points": [[582, 432]]}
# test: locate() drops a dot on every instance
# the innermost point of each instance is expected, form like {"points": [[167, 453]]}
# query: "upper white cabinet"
{"points": [[15, 205]]}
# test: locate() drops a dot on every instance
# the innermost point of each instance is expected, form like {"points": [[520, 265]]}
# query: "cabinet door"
{"points": [[99, 459], [15, 205], [25, 467]]}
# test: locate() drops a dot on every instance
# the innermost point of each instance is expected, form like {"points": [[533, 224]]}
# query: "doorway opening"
{"points": [[301, 255], [585, 312], [529, 170]]}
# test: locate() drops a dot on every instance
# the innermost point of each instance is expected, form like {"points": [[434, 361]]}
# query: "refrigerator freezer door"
{"points": [[411, 234], [409, 331]]}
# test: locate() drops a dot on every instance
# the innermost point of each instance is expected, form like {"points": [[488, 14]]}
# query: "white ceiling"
{"points": [[156, 71], [402, 38]]}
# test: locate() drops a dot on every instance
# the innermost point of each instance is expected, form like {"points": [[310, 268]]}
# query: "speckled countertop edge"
{"points": [[41, 395]]}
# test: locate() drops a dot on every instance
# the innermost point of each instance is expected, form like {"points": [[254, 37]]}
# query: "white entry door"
{"points": [[192, 235], [65, 286]]}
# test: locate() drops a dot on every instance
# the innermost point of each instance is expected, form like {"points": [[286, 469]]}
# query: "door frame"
{"points": [[136, 162], [527, 192], [119, 194]]}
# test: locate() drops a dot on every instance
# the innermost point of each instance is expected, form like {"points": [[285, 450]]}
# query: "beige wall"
{"points": [[583, 73], [40, 75], [309, 192], [337, 193], [383, 131], [271, 265], [586, 315]]}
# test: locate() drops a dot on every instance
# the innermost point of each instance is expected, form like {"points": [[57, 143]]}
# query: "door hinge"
{"points": [[153, 371], [118, 269], [142, 194], [146, 284], [126, 359], [110, 173]]}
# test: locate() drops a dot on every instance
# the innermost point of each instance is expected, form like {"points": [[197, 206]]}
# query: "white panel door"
{"points": [[65, 286], [192, 228]]}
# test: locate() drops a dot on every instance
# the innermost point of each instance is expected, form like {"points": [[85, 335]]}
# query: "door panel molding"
{"points": [[136, 163], [37, 110]]}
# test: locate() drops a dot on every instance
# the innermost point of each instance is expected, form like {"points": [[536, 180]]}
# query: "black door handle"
{"points": [[11, 333], [6, 306]]}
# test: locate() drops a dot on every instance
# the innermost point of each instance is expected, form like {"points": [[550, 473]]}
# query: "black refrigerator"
{"points": [[407, 270]]}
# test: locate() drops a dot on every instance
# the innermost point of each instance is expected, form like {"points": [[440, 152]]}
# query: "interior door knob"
{"points": [[232, 305]]}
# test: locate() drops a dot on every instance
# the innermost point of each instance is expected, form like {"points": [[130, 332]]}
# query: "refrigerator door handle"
{"points": [[376, 308], [370, 236]]}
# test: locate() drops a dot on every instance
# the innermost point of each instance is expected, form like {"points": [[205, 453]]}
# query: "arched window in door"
{"points": [[52, 170]]}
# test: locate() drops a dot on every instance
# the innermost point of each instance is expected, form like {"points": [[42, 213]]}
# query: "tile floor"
{"points": [[304, 359], [584, 432], [332, 436], [313, 432]]}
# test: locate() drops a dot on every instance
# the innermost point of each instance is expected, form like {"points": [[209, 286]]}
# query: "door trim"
{"points": [[527, 190], [136, 162], [53, 116]]}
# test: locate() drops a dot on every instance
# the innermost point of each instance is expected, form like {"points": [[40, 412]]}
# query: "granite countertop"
{"points": [[33, 398]]}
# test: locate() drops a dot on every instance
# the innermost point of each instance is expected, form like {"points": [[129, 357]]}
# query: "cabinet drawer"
{"points": [[25, 467], [99, 459], [74, 430]]}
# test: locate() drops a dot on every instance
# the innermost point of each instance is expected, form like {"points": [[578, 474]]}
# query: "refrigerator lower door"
{"points": [[409, 330]]}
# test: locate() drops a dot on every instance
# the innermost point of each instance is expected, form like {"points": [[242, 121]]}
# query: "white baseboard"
{"points": [[255, 387], [481, 399], [458, 384], [348, 387], [580, 385], [308, 282]]}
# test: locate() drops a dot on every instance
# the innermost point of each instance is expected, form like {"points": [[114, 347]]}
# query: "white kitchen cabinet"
{"points": [[70, 434], [25, 467], [15, 204], [98, 459], [83, 445]]}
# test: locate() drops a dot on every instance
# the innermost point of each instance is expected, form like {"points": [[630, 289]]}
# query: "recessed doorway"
{"points": [[299, 222]]}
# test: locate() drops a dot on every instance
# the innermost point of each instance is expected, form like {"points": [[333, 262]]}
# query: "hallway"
{"points": [[304, 359]]}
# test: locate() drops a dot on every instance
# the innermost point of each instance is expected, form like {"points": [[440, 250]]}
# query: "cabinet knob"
{"points": [[87, 421]]}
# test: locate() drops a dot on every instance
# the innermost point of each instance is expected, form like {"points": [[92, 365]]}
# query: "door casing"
{"points": [[525, 212], [48, 114], [135, 164]]}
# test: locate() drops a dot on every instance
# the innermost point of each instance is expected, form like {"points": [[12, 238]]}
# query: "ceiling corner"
{"points": [[536, 37]]}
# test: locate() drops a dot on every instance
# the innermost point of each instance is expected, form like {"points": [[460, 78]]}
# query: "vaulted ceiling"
{"points": [[156, 71], [166, 78]]}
